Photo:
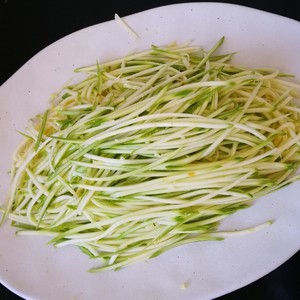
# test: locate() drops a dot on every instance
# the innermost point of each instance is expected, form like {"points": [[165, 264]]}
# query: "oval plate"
{"points": [[32, 269]]}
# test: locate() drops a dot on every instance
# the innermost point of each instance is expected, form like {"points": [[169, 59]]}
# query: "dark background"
{"points": [[28, 26]]}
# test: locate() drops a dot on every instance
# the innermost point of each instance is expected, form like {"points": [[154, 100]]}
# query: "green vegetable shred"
{"points": [[152, 151]]}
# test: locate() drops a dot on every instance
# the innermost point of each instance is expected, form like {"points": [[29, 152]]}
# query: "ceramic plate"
{"points": [[34, 270]]}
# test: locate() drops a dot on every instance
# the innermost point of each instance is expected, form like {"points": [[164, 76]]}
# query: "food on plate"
{"points": [[151, 151]]}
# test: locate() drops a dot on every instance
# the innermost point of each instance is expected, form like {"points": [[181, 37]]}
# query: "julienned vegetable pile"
{"points": [[152, 151]]}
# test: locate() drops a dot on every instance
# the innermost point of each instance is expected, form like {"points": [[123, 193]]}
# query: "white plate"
{"points": [[34, 270]]}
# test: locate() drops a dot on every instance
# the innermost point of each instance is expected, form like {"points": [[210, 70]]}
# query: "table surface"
{"points": [[26, 27]]}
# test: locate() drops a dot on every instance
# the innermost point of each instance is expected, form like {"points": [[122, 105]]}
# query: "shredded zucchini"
{"points": [[152, 151]]}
